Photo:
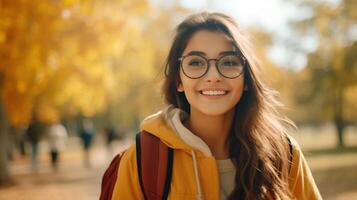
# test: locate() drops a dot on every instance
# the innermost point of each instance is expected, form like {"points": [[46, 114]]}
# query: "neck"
{"points": [[213, 130]]}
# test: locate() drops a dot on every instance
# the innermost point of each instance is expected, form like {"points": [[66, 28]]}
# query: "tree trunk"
{"points": [[4, 171], [338, 118]]}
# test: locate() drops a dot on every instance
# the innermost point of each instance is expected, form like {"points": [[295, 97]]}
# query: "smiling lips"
{"points": [[213, 92]]}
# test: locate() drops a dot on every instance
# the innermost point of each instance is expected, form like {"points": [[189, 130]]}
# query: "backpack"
{"points": [[155, 163]]}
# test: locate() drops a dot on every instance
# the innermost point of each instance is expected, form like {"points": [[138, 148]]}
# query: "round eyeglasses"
{"points": [[196, 66]]}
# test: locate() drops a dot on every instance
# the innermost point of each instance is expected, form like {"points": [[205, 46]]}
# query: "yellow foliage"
{"points": [[351, 99], [70, 56], [19, 106]]}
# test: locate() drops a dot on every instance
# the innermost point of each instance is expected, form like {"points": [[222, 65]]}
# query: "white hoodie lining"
{"points": [[186, 135]]}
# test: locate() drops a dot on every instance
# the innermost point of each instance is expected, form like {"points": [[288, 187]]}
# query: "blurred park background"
{"points": [[86, 71]]}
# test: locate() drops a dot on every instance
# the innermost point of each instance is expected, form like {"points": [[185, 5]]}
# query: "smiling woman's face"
{"points": [[211, 94]]}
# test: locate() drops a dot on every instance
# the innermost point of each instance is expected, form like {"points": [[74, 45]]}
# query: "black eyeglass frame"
{"points": [[244, 62]]}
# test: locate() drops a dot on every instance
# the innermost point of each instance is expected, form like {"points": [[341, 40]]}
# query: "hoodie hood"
{"points": [[167, 125]]}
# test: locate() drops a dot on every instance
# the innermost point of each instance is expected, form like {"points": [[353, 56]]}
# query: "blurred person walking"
{"points": [[110, 136], [33, 135], [57, 136], [86, 135]]}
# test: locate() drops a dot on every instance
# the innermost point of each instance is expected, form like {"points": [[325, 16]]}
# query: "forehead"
{"points": [[209, 42]]}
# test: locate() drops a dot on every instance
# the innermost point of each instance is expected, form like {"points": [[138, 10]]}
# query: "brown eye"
{"points": [[230, 61], [196, 63]]}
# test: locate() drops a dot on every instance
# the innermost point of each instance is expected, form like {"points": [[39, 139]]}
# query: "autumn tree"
{"points": [[331, 69], [66, 57]]}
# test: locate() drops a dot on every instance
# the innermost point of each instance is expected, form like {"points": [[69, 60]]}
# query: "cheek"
{"points": [[238, 88], [185, 84]]}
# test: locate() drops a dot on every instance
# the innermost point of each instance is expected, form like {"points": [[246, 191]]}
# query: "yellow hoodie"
{"points": [[195, 174]]}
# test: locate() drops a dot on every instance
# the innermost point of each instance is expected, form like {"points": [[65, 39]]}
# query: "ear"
{"points": [[180, 87]]}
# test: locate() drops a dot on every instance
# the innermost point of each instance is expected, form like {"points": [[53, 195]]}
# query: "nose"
{"points": [[212, 75]]}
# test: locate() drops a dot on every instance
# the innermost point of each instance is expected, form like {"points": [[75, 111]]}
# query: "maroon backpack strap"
{"points": [[154, 161], [110, 178]]}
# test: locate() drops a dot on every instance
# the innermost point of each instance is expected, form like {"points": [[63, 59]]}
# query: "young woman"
{"points": [[228, 138]]}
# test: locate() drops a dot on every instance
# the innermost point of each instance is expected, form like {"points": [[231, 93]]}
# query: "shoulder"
{"points": [[127, 160], [297, 154], [127, 184], [301, 181], [294, 145]]}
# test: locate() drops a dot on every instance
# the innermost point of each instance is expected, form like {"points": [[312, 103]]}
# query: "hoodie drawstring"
{"points": [[198, 184]]}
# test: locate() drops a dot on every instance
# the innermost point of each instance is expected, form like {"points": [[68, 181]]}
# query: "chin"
{"points": [[215, 111]]}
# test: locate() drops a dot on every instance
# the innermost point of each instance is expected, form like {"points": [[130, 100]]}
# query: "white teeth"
{"points": [[214, 93]]}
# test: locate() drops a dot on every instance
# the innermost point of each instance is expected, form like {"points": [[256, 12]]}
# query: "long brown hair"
{"points": [[258, 140]]}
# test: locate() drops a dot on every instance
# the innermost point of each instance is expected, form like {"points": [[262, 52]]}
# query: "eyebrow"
{"points": [[201, 53]]}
